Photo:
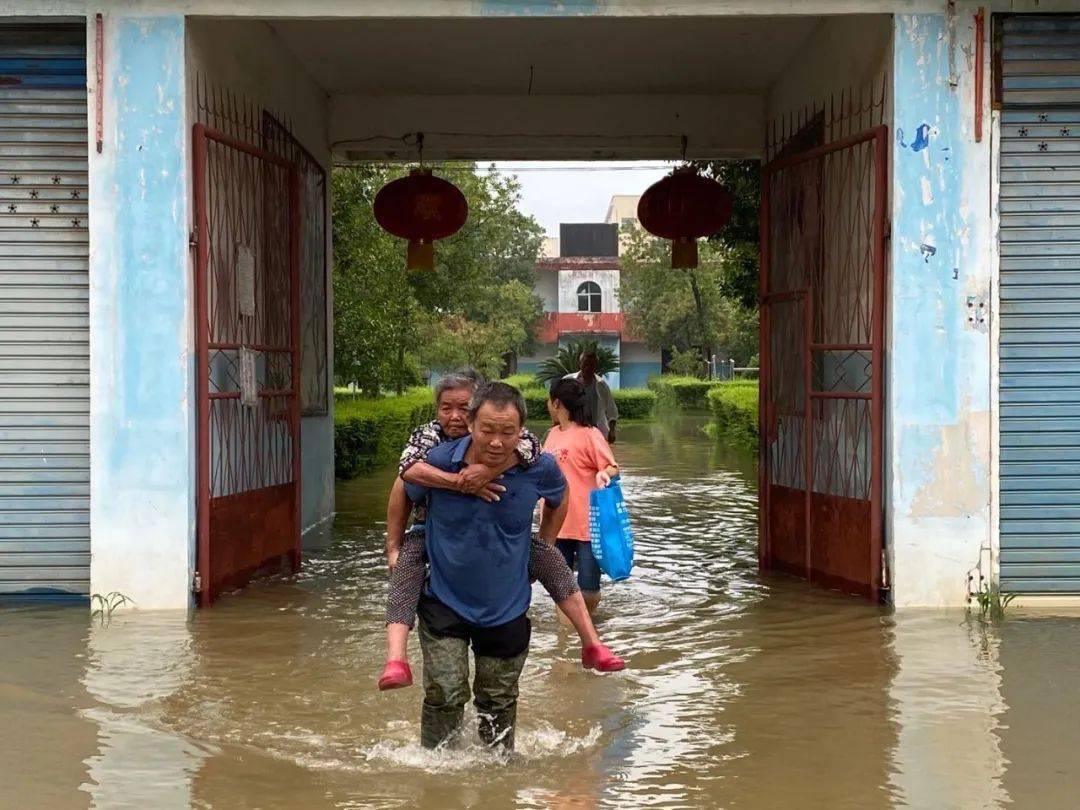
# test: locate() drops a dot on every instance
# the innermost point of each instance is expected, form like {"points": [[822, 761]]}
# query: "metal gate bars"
{"points": [[247, 341], [822, 363]]}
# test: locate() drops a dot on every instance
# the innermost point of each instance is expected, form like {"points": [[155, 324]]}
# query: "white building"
{"points": [[622, 212], [580, 290]]}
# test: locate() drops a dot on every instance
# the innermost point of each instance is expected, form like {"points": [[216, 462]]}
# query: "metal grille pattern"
{"points": [[314, 386], [248, 230], [247, 221], [787, 387], [826, 120], [822, 290]]}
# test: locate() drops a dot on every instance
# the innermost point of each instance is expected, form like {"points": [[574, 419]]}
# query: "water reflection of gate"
{"points": [[822, 387], [247, 337]]}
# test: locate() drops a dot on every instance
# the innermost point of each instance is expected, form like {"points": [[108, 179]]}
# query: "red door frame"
{"points": [[202, 135], [875, 579]]}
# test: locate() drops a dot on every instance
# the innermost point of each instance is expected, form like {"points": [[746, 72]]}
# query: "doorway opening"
{"points": [[823, 208]]}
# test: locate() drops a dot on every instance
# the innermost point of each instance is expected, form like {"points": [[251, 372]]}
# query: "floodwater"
{"points": [[742, 691]]}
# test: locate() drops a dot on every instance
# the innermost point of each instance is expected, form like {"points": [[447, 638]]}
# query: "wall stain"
{"points": [[922, 138], [951, 489]]}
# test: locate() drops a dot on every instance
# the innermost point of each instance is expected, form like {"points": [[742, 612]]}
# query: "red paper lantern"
{"points": [[684, 207], [421, 208]]}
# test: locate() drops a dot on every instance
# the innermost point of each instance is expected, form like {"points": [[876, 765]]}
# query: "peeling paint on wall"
{"points": [[939, 371], [571, 280], [947, 490], [142, 446]]}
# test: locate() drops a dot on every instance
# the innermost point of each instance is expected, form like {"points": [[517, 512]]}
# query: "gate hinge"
{"points": [[196, 583], [193, 238], [888, 230]]}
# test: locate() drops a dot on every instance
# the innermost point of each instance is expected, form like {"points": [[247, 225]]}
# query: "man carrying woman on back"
{"points": [[405, 544]]}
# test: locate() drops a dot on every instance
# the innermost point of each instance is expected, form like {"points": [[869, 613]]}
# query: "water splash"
{"points": [[539, 743]]}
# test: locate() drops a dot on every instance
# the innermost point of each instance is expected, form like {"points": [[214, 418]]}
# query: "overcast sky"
{"points": [[555, 192]]}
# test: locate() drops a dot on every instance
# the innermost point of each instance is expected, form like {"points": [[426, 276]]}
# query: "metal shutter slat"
{"points": [[44, 315]]}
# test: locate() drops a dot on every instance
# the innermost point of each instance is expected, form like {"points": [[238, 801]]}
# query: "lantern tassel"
{"points": [[684, 253], [420, 255]]}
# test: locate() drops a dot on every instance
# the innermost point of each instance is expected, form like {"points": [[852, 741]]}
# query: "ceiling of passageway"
{"points": [[567, 55]]}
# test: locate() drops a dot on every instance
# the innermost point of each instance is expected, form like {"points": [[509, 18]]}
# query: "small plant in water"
{"points": [[993, 603], [103, 605]]}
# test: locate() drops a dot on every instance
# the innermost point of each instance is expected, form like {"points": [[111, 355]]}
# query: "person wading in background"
{"points": [[600, 404], [587, 463]]}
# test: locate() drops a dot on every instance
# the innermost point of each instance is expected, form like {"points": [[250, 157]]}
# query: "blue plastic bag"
{"points": [[609, 531]]}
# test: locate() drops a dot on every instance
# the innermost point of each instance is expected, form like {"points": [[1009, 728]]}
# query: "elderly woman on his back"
{"points": [[406, 552]]}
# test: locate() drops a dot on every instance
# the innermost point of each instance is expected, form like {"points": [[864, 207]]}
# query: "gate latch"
{"points": [[193, 238], [196, 583]]}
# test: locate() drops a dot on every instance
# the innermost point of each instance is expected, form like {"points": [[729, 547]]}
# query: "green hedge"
{"points": [[687, 393], [734, 407], [635, 403], [371, 432], [522, 381]]}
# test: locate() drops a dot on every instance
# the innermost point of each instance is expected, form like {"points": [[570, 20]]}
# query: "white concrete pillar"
{"points": [[938, 473], [142, 471]]}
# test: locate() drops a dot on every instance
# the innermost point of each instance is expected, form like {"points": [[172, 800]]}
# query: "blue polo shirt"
{"points": [[479, 551]]}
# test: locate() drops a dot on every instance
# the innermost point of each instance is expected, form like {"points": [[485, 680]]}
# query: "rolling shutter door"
{"points": [[1040, 305], [44, 329]]}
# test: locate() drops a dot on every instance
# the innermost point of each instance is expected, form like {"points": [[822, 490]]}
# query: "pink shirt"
{"points": [[581, 453]]}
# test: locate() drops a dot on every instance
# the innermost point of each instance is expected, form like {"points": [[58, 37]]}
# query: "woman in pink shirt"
{"points": [[585, 458]]}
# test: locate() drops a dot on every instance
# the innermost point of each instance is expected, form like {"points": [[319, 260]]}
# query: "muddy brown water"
{"points": [[743, 690]]}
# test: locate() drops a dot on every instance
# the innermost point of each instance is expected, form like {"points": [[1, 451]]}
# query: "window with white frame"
{"points": [[588, 297]]}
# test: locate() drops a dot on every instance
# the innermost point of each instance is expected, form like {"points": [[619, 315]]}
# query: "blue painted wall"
{"points": [[636, 375], [142, 438], [540, 8], [614, 379], [939, 376]]}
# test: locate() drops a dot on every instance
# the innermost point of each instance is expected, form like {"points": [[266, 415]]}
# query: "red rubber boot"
{"points": [[600, 658], [395, 675]]}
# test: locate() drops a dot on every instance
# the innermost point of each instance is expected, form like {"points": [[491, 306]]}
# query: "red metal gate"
{"points": [[247, 338], [822, 363]]}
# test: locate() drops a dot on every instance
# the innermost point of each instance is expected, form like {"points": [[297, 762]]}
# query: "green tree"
{"points": [[455, 340], [688, 363], [684, 309], [741, 237], [474, 308], [375, 312]]}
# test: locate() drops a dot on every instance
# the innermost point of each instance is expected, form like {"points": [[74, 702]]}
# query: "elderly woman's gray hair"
{"points": [[464, 379]]}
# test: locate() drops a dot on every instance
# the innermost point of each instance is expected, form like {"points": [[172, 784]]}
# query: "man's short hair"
{"points": [[457, 381], [500, 395], [591, 354]]}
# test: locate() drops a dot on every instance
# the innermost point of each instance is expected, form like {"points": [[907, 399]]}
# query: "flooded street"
{"points": [[741, 691]]}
